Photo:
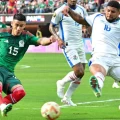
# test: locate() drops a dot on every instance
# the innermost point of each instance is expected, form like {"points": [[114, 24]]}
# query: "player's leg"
{"points": [[115, 84], [15, 92], [114, 72], [72, 58], [1, 87], [79, 72], [68, 78], [3, 75], [99, 69], [3, 106], [74, 76], [61, 83]]}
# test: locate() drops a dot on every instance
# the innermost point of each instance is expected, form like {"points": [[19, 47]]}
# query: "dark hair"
{"points": [[114, 4], [19, 17]]}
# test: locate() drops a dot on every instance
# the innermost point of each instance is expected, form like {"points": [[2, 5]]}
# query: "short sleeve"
{"points": [[90, 19], [57, 16]]}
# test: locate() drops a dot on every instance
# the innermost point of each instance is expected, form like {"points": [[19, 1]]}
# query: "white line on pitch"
{"points": [[65, 106], [110, 100], [24, 66]]}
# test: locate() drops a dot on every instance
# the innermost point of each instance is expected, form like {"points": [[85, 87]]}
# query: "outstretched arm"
{"points": [[44, 41], [61, 44], [68, 11]]}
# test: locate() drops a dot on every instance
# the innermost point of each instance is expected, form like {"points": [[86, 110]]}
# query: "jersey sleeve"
{"points": [[84, 12], [90, 19], [57, 17], [32, 39]]}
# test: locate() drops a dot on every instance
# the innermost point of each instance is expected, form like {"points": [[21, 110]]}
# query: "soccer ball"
{"points": [[50, 111]]}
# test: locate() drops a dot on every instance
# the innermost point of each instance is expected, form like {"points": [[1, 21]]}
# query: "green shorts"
{"points": [[8, 80]]}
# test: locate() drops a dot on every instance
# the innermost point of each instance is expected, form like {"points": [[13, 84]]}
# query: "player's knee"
{"points": [[79, 73], [21, 93]]}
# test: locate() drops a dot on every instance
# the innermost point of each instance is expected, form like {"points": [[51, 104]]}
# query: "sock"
{"points": [[17, 94], [100, 77], [68, 78], [72, 87], [1, 94]]}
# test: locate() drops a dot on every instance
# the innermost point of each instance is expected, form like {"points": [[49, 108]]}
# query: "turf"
{"points": [[39, 81]]}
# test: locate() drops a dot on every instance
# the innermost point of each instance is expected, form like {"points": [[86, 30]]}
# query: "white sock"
{"points": [[68, 78], [72, 87], [100, 77], [2, 106]]}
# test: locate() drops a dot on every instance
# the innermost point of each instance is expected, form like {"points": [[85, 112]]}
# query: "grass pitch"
{"points": [[39, 73]]}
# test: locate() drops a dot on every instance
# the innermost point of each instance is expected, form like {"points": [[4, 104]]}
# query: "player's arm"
{"points": [[54, 33], [78, 18], [44, 41]]}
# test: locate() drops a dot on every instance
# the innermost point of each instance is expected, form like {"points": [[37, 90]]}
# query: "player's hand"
{"points": [[61, 44], [65, 10], [52, 39]]}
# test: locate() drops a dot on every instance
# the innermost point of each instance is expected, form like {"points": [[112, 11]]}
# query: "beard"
{"points": [[73, 6], [113, 20]]}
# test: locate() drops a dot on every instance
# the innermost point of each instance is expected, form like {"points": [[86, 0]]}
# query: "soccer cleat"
{"points": [[5, 109], [95, 86], [60, 89], [115, 85], [68, 101]]}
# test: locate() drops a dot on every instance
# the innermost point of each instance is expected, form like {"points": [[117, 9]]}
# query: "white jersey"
{"points": [[105, 35], [69, 30]]}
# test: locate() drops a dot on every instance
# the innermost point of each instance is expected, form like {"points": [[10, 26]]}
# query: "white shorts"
{"points": [[110, 63], [75, 56]]}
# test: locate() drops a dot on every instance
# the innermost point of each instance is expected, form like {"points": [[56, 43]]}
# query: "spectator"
{"points": [[100, 2], [3, 6], [41, 7], [51, 5], [11, 4], [92, 4]]}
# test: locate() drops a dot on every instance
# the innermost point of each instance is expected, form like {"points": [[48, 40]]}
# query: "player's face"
{"points": [[72, 2], [111, 13], [17, 27]]}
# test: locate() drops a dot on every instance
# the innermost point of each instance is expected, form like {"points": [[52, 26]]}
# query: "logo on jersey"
{"points": [[21, 43], [6, 41], [75, 57], [54, 14]]}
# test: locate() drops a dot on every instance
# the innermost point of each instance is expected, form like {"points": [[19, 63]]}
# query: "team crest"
{"points": [[21, 43], [54, 14], [75, 57]]}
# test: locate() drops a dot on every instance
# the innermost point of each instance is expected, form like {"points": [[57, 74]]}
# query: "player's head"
{"points": [[18, 24], [72, 3], [112, 11]]}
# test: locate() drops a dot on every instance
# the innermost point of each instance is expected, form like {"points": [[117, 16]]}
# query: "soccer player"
{"points": [[70, 33], [14, 42], [105, 59]]}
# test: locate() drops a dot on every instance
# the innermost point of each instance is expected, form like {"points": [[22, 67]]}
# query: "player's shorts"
{"points": [[75, 56], [110, 63], [8, 80]]}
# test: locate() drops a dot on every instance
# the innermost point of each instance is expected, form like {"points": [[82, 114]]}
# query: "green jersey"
{"points": [[2, 25], [13, 48]]}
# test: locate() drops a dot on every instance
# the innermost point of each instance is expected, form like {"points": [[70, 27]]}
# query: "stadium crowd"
{"points": [[48, 6], [45, 6]]}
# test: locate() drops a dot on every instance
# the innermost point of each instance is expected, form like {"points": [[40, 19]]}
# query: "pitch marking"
{"points": [[110, 100], [24, 66], [82, 103]]}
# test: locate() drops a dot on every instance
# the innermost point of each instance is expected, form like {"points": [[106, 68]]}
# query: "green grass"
{"points": [[39, 82]]}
